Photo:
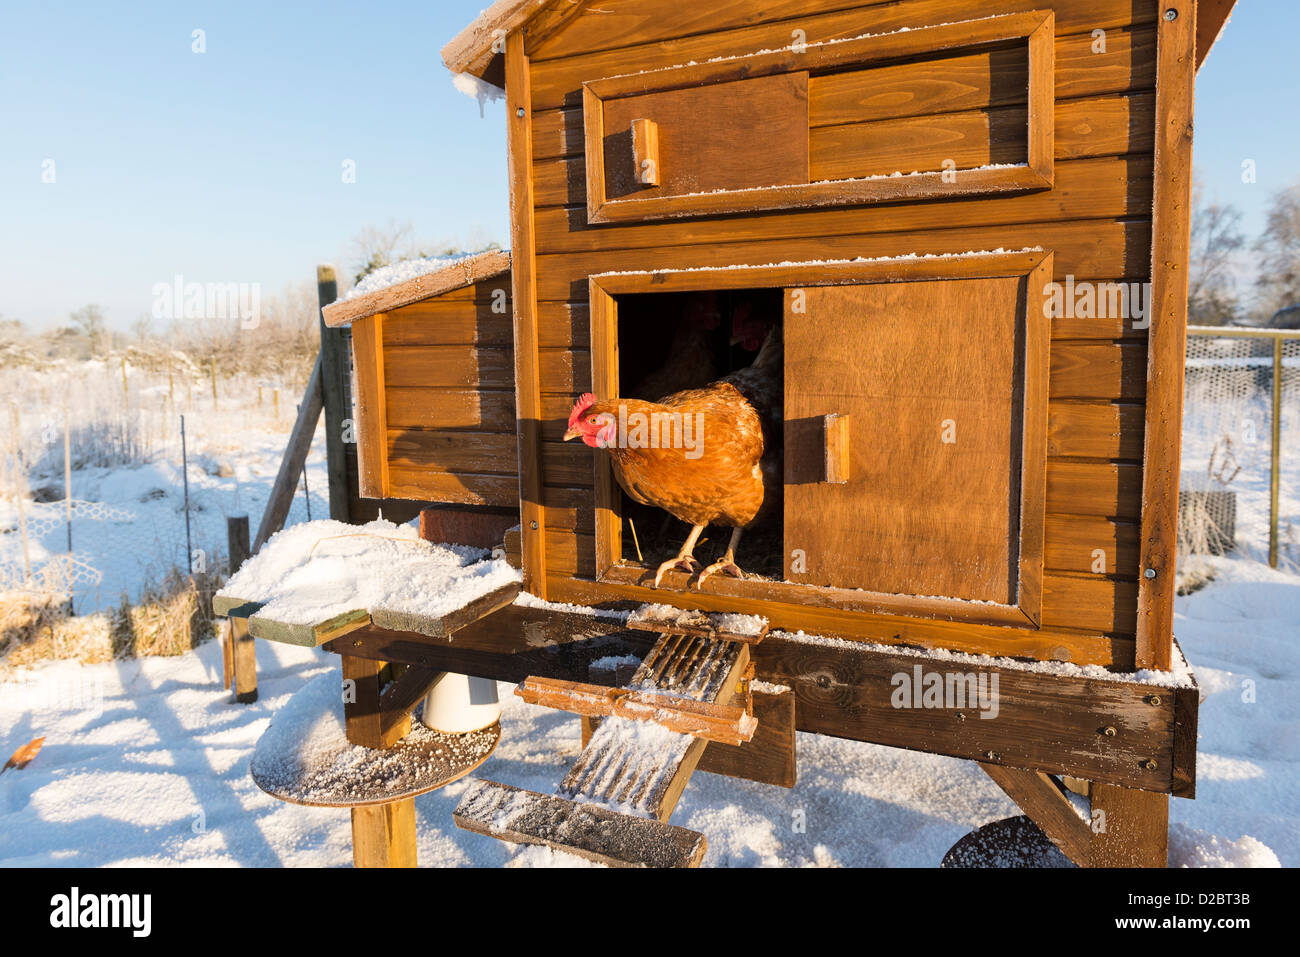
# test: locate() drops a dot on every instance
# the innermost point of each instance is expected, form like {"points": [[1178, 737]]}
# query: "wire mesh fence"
{"points": [[1241, 445], [93, 495]]}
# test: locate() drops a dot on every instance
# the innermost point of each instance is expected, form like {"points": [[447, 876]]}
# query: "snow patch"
{"points": [[313, 572]]}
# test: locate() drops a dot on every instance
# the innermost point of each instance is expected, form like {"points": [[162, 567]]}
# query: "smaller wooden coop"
{"points": [[906, 197]]}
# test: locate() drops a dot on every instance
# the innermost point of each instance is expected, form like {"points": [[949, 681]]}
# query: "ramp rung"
{"points": [[587, 830], [726, 724]]}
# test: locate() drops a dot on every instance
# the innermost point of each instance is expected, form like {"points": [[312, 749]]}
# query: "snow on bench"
{"points": [[316, 581]]}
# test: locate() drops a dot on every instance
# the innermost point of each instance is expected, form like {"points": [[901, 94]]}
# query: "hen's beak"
{"points": [[572, 434]]}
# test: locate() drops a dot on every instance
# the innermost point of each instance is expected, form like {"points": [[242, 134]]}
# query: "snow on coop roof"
{"points": [[475, 49], [412, 281]]}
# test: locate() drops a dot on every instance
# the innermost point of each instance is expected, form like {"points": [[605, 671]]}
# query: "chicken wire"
{"points": [[1227, 459], [122, 549]]}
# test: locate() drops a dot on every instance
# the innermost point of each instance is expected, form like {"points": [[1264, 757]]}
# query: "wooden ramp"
{"points": [[614, 803]]}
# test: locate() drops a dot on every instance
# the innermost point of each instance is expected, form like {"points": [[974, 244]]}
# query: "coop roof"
{"points": [[408, 282], [476, 49]]}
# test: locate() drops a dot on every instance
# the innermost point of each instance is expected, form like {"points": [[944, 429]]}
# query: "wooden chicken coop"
{"points": [[967, 223]]}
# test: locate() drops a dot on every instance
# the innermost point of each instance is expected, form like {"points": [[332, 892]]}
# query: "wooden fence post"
{"points": [[334, 389], [242, 653]]}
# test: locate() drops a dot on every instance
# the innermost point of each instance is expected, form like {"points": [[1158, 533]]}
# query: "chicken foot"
{"points": [[727, 563], [685, 560]]}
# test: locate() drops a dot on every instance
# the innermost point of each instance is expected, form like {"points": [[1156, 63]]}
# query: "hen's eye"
{"points": [[591, 420]]}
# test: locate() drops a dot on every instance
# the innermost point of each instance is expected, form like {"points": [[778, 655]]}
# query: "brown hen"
{"points": [[706, 456]]}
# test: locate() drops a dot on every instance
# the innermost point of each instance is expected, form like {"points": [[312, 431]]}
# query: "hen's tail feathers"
{"points": [[769, 356]]}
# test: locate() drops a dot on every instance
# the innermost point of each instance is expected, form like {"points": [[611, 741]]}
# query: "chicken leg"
{"points": [[727, 563], [685, 560]]}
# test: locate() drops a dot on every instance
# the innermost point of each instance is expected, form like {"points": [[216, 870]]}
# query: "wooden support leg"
{"points": [[384, 835], [244, 656], [1130, 828], [378, 698], [227, 657], [1044, 803]]}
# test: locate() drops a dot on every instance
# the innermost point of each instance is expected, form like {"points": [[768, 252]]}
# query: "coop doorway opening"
{"points": [[669, 343]]}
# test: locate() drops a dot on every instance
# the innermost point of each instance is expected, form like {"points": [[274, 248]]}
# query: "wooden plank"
{"points": [[383, 835], [1098, 371], [456, 488], [335, 390], [802, 610], [1085, 544], [1110, 490], [1094, 247], [557, 77], [1130, 827], [1168, 333], [770, 757], [476, 410], [371, 406], [1095, 429], [963, 82], [308, 636], [458, 275], [1186, 713], [1040, 797], [723, 723], [592, 832], [483, 453], [1087, 188], [519, 137], [413, 367], [291, 464], [447, 625], [438, 323]]}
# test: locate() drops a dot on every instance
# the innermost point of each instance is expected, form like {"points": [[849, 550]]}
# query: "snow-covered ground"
{"points": [[146, 762]]}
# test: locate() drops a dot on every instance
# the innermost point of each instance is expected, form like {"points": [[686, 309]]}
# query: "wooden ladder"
{"points": [[614, 803]]}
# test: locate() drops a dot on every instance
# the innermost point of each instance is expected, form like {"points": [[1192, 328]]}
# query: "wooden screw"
{"points": [[1150, 764], [1109, 732], [1154, 700]]}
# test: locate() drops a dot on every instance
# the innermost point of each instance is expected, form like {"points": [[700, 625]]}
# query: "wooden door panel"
{"points": [[931, 377]]}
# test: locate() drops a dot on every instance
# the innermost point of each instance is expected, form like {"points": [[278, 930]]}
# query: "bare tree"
{"points": [[89, 321], [1278, 285], [1212, 297]]}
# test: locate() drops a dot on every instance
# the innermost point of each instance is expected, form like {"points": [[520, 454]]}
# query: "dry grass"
{"points": [[171, 618]]}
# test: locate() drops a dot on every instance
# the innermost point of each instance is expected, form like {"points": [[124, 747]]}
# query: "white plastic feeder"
{"points": [[458, 704]]}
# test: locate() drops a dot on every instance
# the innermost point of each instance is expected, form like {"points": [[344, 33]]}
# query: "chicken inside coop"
{"points": [[684, 345]]}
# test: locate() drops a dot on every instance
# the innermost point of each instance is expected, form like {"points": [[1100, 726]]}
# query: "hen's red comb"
{"points": [[585, 402]]}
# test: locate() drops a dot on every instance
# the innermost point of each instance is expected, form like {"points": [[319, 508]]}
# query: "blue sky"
{"points": [[226, 166]]}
